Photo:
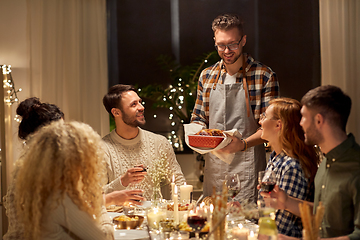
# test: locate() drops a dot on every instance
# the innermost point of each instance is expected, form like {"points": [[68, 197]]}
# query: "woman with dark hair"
{"points": [[294, 162], [35, 114]]}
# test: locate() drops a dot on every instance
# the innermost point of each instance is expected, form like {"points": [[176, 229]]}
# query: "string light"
{"points": [[8, 83], [17, 118]]}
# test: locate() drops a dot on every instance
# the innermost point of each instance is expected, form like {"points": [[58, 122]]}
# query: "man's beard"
{"points": [[236, 57], [313, 136], [132, 121]]}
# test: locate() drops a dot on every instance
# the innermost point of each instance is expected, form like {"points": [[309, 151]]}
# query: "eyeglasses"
{"points": [[231, 47], [263, 117]]}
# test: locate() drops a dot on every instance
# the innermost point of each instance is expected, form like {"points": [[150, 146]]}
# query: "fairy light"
{"points": [[8, 84], [17, 118]]}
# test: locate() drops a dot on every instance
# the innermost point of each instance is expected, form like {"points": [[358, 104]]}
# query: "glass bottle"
{"points": [[267, 223]]}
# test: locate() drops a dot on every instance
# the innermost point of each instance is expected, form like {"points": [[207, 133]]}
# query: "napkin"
{"points": [[193, 128]]}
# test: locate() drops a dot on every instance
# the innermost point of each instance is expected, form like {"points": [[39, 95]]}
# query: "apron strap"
{"points": [[217, 77], [244, 85], [245, 88]]}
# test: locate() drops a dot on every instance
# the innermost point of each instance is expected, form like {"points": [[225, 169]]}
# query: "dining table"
{"points": [[142, 233]]}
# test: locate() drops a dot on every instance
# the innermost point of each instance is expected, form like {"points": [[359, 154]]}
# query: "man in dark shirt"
{"points": [[325, 113]]}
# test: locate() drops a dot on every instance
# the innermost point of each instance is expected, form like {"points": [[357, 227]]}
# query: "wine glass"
{"points": [[197, 218], [232, 182], [267, 180]]}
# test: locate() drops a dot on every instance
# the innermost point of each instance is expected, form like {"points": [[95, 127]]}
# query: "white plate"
{"points": [[131, 234]]}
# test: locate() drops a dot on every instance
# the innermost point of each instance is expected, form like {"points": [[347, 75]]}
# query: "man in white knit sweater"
{"points": [[129, 146]]}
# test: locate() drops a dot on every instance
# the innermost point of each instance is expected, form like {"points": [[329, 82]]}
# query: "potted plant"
{"points": [[180, 95]]}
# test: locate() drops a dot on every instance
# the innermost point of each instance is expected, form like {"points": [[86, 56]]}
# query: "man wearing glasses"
{"points": [[231, 95]]}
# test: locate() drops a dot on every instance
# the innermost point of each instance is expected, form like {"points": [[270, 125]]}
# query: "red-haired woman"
{"points": [[293, 162]]}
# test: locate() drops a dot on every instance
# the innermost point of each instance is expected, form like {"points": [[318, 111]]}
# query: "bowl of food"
{"points": [[128, 222], [207, 138]]}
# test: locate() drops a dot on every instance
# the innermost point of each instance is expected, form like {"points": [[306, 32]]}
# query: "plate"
{"points": [[205, 141], [132, 234]]}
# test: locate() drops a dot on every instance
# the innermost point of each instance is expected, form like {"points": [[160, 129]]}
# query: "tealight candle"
{"points": [[186, 192], [252, 236], [154, 216], [240, 233]]}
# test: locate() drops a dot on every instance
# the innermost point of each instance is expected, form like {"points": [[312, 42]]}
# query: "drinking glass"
{"points": [[232, 182], [267, 180], [197, 218]]}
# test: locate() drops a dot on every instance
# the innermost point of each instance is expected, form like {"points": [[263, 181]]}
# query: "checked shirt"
{"points": [[261, 80], [291, 178]]}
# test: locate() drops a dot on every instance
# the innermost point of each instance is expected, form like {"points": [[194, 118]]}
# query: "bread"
{"points": [[210, 132], [114, 208], [207, 200]]}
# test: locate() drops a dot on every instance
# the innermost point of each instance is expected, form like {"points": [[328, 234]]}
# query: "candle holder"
{"points": [[155, 215]]}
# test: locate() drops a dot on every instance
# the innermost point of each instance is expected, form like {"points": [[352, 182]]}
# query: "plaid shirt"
{"points": [[290, 178], [262, 85]]}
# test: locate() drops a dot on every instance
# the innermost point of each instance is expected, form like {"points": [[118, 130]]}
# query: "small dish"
{"points": [[134, 223]]}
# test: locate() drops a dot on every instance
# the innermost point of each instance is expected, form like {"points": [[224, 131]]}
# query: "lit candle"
{"points": [[240, 233], [172, 185], [186, 192], [252, 236], [176, 207], [155, 216]]}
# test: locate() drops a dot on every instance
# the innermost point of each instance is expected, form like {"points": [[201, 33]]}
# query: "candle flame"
{"points": [[173, 178]]}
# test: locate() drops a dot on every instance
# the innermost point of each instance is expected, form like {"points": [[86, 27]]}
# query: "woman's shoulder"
{"points": [[289, 162]]}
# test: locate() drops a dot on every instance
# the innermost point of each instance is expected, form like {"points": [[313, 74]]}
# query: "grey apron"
{"points": [[227, 110]]}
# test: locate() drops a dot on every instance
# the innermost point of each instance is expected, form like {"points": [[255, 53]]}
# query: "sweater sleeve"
{"points": [[110, 183], [70, 218]]}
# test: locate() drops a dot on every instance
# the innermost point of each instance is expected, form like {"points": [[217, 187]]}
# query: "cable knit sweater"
{"points": [[122, 154]]}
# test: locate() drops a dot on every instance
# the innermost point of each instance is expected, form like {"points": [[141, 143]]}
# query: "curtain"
{"points": [[340, 51], [68, 57]]}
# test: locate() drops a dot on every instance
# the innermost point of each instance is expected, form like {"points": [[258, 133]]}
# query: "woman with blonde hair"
{"points": [[294, 162], [57, 191]]}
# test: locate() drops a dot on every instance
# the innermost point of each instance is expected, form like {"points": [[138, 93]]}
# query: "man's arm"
{"points": [[238, 145], [199, 112], [284, 201]]}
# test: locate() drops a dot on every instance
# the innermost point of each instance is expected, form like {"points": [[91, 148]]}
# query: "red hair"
{"points": [[292, 135]]}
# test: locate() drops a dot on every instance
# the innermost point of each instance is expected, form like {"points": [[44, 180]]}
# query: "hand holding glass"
{"points": [[267, 180]]}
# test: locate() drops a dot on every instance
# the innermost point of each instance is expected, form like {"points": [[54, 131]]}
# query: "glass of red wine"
{"points": [[232, 182], [197, 218], [267, 180]]}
